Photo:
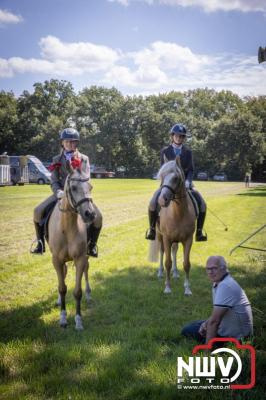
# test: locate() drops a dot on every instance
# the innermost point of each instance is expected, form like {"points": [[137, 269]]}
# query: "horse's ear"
{"points": [[178, 162]]}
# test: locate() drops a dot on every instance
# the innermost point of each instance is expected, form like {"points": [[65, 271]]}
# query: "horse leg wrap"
{"points": [[63, 319], [78, 321]]}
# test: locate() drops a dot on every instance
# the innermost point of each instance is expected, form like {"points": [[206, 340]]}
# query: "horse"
{"points": [[67, 238], [176, 223]]}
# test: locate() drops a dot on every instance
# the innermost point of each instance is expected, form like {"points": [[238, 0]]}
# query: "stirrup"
{"points": [[150, 234]]}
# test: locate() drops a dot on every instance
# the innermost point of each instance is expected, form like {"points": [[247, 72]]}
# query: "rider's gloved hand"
{"points": [[187, 184], [59, 194]]}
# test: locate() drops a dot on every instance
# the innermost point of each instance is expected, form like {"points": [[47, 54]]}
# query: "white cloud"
{"points": [[150, 78], [208, 5], [5, 70], [123, 2], [160, 67], [7, 17], [85, 55], [167, 66], [157, 65], [170, 56], [62, 59]]}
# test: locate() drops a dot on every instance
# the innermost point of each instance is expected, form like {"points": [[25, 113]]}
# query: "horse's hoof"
{"points": [[188, 292], [167, 290]]}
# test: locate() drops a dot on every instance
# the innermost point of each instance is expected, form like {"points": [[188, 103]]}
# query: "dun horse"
{"points": [[176, 223], [68, 238]]}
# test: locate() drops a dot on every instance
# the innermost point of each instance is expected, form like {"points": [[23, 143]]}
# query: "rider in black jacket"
{"points": [[177, 148]]}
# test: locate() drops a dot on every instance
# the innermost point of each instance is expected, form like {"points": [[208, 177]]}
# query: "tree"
{"points": [[8, 121], [98, 120], [42, 115], [236, 143]]}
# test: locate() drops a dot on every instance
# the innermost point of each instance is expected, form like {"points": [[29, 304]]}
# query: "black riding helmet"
{"points": [[178, 129], [69, 134]]}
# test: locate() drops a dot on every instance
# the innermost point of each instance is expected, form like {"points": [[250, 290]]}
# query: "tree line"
{"points": [[227, 132]]}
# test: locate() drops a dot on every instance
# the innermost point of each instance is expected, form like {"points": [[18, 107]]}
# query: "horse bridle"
{"points": [[175, 195], [73, 203]]}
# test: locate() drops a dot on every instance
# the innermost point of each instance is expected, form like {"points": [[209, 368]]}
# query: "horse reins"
{"points": [[73, 203], [175, 196]]}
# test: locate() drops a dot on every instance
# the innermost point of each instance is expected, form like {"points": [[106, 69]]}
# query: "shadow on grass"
{"points": [[128, 348], [131, 296], [255, 192], [130, 343]]}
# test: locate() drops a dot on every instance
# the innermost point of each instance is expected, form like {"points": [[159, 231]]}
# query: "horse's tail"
{"points": [[154, 249]]}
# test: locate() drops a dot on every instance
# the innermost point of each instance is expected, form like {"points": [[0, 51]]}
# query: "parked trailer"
{"points": [[22, 169], [5, 178], [38, 173], [19, 170]]}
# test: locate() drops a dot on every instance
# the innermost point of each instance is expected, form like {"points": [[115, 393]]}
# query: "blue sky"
{"points": [[138, 46]]}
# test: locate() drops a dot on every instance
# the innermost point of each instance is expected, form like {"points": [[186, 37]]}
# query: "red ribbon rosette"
{"points": [[75, 163], [54, 166]]}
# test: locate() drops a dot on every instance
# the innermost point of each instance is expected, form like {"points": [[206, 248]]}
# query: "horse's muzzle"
{"points": [[164, 200], [90, 216]]}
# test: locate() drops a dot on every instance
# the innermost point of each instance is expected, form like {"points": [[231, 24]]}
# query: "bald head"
{"points": [[217, 261], [216, 268]]}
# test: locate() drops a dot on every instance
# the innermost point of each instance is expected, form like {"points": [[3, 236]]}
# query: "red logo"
{"points": [[238, 346]]}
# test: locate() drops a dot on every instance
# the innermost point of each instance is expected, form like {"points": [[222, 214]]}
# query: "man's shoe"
{"points": [[92, 250], [150, 234], [39, 249], [200, 237]]}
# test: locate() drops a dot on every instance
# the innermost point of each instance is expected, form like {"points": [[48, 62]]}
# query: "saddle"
{"points": [[46, 216]]}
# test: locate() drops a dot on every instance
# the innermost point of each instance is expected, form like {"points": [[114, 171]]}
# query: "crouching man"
{"points": [[231, 315]]}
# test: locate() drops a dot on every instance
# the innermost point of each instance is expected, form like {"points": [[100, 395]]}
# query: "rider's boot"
{"points": [[93, 235], [200, 237], [151, 232], [40, 248]]}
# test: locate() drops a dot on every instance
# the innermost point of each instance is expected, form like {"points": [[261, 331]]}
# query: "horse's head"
{"points": [[172, 179], [78, 192]]}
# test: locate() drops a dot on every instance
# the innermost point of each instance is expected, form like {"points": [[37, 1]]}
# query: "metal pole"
{"points": [[254, 233]]}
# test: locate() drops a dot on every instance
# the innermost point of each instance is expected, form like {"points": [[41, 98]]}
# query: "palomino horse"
{"points": [[177, 223], [68, 238]]}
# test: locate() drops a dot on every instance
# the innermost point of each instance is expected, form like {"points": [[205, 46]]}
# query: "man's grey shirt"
{"points": [[237, 322]]}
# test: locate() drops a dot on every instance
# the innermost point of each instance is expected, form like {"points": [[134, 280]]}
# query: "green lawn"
{"points": [[131, 339]]}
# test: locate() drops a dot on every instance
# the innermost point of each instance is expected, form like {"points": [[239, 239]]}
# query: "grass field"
{"points": [[131, 339]]}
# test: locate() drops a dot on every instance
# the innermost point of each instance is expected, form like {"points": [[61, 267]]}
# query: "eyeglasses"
{"points": [[211, 269]]}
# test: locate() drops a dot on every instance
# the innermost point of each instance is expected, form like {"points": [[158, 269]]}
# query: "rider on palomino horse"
{"points": [[177, 148], [60, 168]]}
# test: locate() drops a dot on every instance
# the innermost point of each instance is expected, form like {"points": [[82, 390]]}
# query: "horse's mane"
{"points": [[167, 168]]}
